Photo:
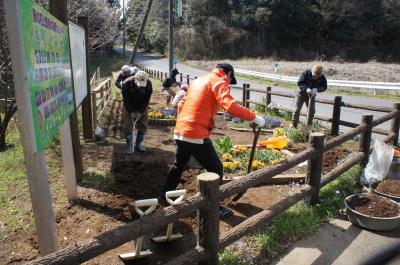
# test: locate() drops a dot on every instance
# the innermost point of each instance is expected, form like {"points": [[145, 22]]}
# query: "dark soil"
{"points": [[105, 201], [389, 186], [374, 205]]}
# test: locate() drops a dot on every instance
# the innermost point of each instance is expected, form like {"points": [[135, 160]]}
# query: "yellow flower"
{"points": [[257, 165], [231, 166], [227, 157], [278, 132], [239, 149], [171, 117]]}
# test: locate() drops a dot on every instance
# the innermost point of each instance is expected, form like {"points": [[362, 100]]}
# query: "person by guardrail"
{"points": [[167, 85], [126, 71], [311, 82]]}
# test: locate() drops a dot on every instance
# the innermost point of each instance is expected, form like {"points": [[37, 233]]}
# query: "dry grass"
{"points": [[371, 71]]}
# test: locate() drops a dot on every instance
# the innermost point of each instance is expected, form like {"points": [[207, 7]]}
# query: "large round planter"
{"points": [[162, 122], [393, 197], [369, 222]]}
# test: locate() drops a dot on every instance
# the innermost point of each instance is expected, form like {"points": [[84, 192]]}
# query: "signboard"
{"points": [[78, 58], [48, 63]]}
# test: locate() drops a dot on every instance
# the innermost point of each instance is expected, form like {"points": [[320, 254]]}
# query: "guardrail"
{"points": [[207, 201], [101, 94], [331, 82]]}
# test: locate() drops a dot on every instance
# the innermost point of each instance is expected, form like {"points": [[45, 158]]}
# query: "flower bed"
{"points": [[166, 117], [235, 158]]}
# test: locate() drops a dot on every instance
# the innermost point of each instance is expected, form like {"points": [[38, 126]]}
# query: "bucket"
{"points": [[394, 170]]}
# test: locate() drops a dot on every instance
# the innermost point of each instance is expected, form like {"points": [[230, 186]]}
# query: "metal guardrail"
{"points": [[331, 82]]}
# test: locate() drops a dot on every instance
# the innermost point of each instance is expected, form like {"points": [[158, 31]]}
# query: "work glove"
{"points": [[309, 91], [261, 121], [314, 91]]}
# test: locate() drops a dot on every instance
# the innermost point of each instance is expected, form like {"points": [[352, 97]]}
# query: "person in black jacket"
{"points": [[136, 93], [126, 71], [167, 85], [310, 82]]}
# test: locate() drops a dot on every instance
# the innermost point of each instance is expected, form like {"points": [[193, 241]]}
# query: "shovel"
{"points": [[135, 119], [309, 118], [138, 253], [253, 152]]}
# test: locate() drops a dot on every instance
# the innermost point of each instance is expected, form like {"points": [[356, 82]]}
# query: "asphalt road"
{"points": [[160, 63]]}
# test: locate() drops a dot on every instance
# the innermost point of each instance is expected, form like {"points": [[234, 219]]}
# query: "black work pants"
{"points": [[204, 154]]}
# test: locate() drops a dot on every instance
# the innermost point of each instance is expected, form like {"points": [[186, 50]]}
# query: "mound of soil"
{"points": [[389, 186], [374, 205]]}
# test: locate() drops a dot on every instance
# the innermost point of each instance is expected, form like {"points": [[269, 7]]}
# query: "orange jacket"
{"points": [[203, 98]]}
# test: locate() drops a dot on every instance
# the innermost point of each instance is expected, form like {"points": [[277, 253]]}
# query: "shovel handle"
{"points": [[179, 195], [152, 203]]}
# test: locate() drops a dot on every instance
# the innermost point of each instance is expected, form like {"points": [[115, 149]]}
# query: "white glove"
{"points": [[314, 91], [259, 121], [309, 91]]}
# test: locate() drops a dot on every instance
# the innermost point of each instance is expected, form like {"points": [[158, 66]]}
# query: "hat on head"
{"points": [[125, 68], [228, 68], [141, 78], [174, 72], [317, 70]]}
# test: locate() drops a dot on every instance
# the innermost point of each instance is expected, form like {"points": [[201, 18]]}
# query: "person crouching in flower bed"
{"points": [[136, 93]]}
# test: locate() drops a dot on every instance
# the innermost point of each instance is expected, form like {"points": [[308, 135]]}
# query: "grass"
{"points": [[299, 221], [231, 258]]}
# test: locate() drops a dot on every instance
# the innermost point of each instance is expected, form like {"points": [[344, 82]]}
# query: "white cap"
{"points": [[134, 70], [125, 68], [141, 78]]}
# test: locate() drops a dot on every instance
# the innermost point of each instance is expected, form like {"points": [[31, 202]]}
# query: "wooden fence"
{"points": [[100, 94], [337, 102], [209, 195]]}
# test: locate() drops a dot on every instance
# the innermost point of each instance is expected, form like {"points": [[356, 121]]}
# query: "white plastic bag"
{"points": [[378, 163], [98, 133]]}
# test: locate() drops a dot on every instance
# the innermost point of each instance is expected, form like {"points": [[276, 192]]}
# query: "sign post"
{"points": [[39, 47]]}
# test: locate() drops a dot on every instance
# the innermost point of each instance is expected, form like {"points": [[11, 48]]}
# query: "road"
{"points": [[160, 63]]}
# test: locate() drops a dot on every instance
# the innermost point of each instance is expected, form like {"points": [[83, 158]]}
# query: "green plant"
{"points": [[295, 135], [224, 145], [267, 155], [231, 258]]}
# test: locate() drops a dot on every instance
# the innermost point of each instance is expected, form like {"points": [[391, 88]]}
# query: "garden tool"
{"points": [[152, 204], [309, 119], [135, 116], [253, 152], [179, 195]]}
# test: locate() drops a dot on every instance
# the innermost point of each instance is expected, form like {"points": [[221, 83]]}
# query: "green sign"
{"points": [[47, 56]]}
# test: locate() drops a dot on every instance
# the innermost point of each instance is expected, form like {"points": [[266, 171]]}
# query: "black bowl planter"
{"points": [[370, 222], [162, 122]]}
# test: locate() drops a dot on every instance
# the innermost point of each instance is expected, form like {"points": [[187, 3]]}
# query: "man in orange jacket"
{"points": [[195, 121]]}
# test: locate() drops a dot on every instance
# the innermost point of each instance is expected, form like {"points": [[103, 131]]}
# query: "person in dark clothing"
{"points": [[126, 71], [167, 85], [311, 82], [136, 94]]}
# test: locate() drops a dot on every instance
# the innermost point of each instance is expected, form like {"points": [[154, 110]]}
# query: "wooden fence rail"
{"points": [[206, 202], [100, 97]]}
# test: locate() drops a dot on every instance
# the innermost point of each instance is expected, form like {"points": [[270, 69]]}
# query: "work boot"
{"points": [[139, 142], [129, 143]]}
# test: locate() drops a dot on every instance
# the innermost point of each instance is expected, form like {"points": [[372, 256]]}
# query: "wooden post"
{"points": [[313, 177], [35, 163], [58, 8], [181, 77], [158, 74], [244, 95], [268, 96], [94, 109], [247, 96], [187, 79], [336, 115], [86, 103], [207, 217], [365, 138], [394, 128]]}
